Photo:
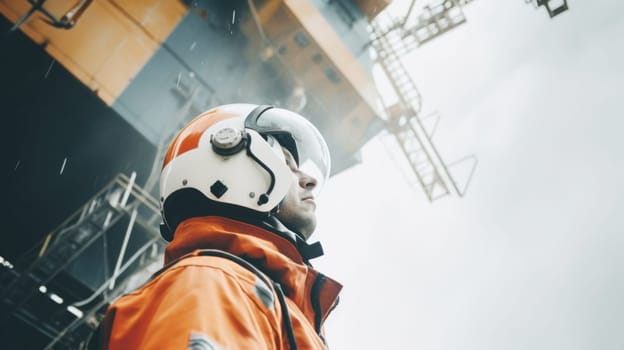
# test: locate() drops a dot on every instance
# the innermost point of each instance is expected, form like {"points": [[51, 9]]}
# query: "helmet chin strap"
{"points": [[264, 198]]}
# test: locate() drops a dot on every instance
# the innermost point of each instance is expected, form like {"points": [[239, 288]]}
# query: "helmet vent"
{"points": [[218, 188]]}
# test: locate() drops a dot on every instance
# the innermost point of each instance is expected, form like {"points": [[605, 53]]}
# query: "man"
{"points": [[237, 197]]}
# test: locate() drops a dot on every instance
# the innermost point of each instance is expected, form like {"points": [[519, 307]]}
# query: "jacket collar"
{"points": [[275, 255]]}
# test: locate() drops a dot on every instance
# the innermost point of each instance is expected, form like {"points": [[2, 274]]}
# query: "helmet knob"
{"points": [[228, 141]]}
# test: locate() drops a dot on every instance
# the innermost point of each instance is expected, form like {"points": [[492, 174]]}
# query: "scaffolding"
{"points": [[62, 286]]}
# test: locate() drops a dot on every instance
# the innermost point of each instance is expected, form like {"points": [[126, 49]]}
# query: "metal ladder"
{"points": [[405, 122]]}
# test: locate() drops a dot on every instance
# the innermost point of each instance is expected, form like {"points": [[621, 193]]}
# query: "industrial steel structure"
{"points": [[392, 38]]}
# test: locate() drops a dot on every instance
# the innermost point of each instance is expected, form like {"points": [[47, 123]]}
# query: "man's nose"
{"points": [[306, 181]]}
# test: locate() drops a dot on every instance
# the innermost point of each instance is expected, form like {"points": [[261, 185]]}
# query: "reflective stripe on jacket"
{"points": [[203, 301]]}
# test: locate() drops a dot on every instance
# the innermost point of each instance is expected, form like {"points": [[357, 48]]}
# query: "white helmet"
{"points": [[228, 161]]}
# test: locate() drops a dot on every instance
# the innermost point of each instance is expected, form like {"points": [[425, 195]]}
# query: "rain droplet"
{"points": [[49, 69], [17, 164], [233, 16], [63, 166], [192, 45], [178, 80]]}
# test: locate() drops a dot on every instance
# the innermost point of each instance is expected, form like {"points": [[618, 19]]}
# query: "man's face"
{"points": [[298, 207]]}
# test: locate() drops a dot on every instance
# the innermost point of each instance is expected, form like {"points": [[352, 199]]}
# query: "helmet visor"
{"points": [[299, 136]]}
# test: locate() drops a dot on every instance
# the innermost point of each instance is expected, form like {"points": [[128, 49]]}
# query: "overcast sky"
{"points": [[532, 257]]}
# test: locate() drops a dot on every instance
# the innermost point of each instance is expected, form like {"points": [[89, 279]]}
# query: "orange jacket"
{"points": [[210, 299]]}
